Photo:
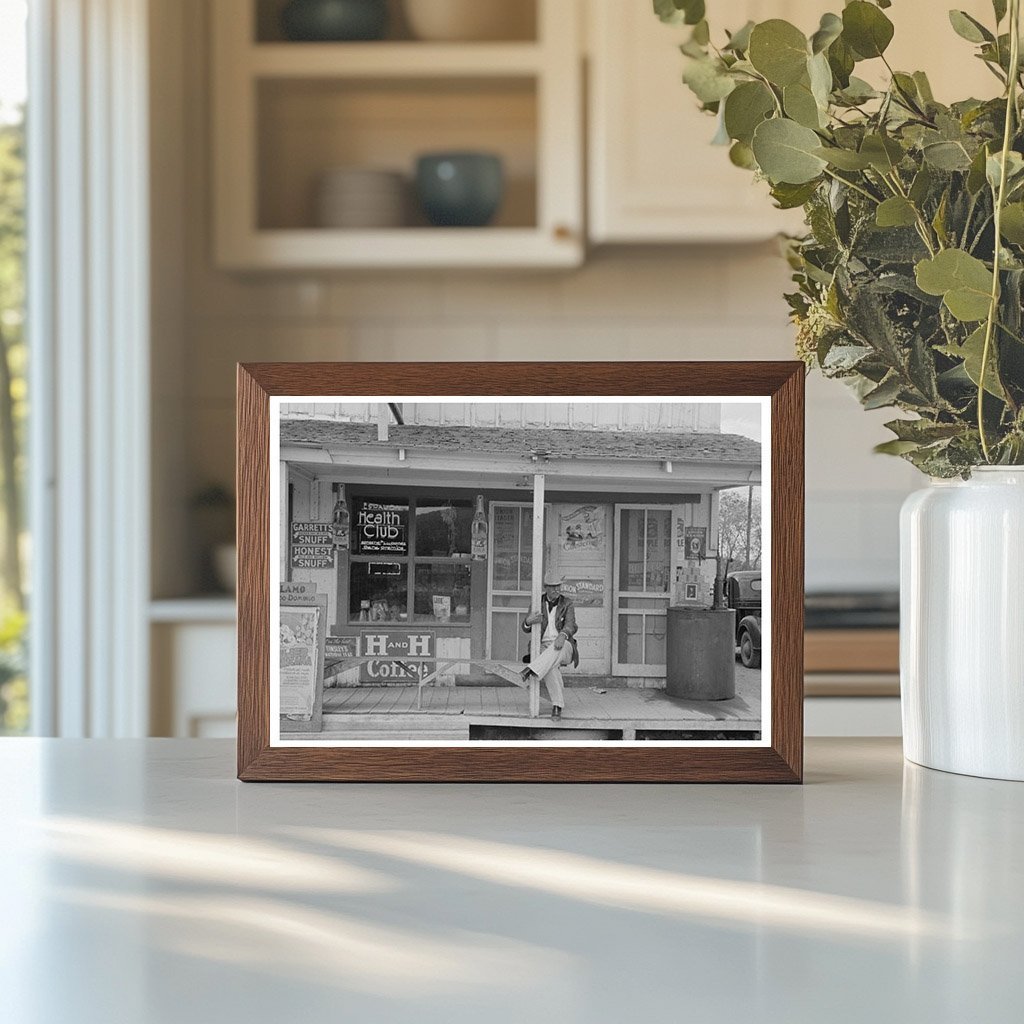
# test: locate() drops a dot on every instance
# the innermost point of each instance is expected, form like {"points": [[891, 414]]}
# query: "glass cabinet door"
{"points": [[643, 563]]}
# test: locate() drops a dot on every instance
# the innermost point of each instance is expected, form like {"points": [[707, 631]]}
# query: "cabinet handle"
{"points": [[563, 232]]}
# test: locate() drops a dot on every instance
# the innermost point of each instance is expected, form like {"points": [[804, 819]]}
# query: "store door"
{"points": [[643, 554], [510, 569], [581, 549]]}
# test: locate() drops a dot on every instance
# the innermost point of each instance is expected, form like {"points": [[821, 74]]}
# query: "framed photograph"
{"points": [[502, 572]]}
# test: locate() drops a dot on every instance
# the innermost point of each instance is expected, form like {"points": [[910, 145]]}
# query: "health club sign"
{"points": [[382, 529], [389, 653]]}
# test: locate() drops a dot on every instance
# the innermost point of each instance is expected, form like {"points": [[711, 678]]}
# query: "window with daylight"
{"points": [[410, 560], [14, 703]]}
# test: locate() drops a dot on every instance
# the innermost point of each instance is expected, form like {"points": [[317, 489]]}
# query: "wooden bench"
{"points": [[510, 671]]}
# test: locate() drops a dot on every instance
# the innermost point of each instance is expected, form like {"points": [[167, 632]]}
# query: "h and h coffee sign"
{"points": [[388, 653]]}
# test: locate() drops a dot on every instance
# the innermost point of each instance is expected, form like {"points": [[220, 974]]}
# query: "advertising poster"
{"points": [[381, 529], [582, 529], [299, 655], [312, 546]]}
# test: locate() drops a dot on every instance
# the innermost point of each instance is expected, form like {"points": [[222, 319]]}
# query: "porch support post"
{"points": [[535, 583]]}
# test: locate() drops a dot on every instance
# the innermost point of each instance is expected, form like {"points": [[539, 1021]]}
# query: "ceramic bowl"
{"points": [[334, 20], [471, 20], [460, 189]]}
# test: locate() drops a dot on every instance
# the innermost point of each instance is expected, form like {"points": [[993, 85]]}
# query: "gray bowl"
{"points": [[334, 20], [461, 190]]}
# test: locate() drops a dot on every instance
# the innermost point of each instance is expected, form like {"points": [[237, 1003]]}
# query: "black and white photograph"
{"points": [[460, 571]]}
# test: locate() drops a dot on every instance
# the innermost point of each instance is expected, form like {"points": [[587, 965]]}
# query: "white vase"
{"points": [[962, 624]]}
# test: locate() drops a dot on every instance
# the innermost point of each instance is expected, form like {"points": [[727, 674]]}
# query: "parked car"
{"points": [[743, 593]]}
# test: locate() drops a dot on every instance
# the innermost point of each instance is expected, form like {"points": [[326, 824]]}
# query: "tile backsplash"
{"points": [[704, 303]]}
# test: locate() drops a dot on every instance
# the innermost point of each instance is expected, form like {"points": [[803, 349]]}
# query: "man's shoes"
{"points": [[556, 713]]}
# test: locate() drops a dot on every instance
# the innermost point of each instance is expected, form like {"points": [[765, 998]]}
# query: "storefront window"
{"points": [[443, 528], [410, 560], [379, 527], [442, 593], [378, 592]]}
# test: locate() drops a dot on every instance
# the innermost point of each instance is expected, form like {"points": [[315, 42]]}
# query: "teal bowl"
{"points": [[334, 21], [460, 190]]}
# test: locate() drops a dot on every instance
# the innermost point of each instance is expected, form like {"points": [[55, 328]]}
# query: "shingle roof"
{"points": [[554, 443]]}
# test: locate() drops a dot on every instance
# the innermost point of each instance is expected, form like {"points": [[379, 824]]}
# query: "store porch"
{"points": [[476, 712]]}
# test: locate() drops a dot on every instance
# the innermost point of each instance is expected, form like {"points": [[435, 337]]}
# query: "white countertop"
{"points": [[143, 885]]}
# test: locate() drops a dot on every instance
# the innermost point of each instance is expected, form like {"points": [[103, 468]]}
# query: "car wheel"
{"points": [[750, 656]]}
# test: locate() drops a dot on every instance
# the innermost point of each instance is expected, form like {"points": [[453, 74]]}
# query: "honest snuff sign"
{"points": [[387, 653], [312, 546]]}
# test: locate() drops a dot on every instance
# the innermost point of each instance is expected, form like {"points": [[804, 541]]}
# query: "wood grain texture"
{"points": [[852, 650], [782, 762]]}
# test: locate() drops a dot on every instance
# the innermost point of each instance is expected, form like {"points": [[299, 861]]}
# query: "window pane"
{"points": [[654, 648], [378, 592], [649, 604], [14, 546], [379, 527], [442, 593], [631, 550], [659, 528], [631, 639], [443, 527], [505, 548], [526, 549], [508, 641]]}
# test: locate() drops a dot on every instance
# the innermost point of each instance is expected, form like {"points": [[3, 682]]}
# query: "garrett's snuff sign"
{"points": [[312, 546]]}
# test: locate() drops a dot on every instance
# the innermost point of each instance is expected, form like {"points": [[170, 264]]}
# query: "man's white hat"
{"points": [[552, 579]]}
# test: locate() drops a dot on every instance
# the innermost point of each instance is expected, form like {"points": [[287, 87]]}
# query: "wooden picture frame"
{"points": [[779, 758]]}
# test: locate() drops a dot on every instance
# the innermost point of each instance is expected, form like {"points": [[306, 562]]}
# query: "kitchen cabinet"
{"points": [[287, 113], [653, 175]]}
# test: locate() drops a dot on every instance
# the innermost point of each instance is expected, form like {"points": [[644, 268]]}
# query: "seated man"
{"points": [[558, 619]]}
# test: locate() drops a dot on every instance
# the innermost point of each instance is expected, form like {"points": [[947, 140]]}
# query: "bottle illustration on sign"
{"points": [[340, 519], [478, 531]]}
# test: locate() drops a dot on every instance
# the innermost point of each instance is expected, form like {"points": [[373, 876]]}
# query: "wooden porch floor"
{"points": [[449, 711]]}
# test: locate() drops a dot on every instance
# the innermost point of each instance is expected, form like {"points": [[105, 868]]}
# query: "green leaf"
{"points": [[708, 80], [820, 77], [858, 91], [883, 153], [969, 28], [789, 197], [745, 108], [885, 394], [841, 60], [785, 152], [999, 7], [676, 12], [701, 33], [976, 174], [800, 105], [963, 281], [921, 185], [739, 41], [741, 155], [866, 29], [994, 168], [844, 159], [896, 212], [778, 50], [895, 447], [946, 156], [829, 30], [971, 352], [1012, 224], [924, 87]]}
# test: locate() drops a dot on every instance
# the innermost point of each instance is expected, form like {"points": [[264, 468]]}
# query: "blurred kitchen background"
{"points": [[290, 217]]}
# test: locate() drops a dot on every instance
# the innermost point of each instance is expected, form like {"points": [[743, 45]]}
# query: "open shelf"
{"points": [[286, 114], [393, 60], [519, 19]]}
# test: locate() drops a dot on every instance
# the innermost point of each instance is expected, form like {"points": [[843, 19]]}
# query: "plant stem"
{"points": [[1000, 198], [855, 187]]}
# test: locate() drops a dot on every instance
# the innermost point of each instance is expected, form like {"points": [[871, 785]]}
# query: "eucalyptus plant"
{"points": [[910, 278]]}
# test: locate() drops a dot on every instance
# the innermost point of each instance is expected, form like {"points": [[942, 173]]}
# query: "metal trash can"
{"points": [[701, 653]]}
